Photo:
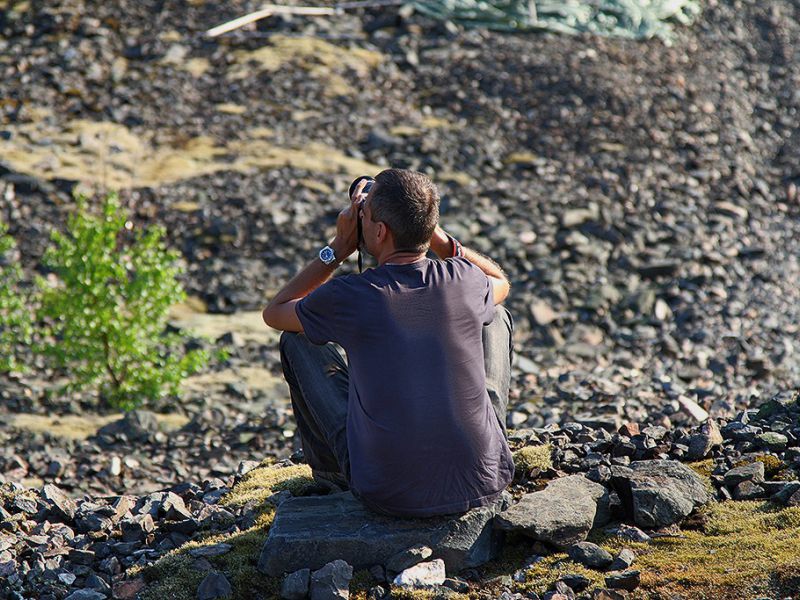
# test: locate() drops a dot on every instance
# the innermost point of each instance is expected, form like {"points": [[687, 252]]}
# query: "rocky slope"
{"points": [[642, 198]]}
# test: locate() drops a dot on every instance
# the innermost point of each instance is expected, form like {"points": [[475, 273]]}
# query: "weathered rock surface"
{"points": [[658, 492], [561, 514], [295, 585], [590, 555], [422, 574], [332, 582], [312, 531]]}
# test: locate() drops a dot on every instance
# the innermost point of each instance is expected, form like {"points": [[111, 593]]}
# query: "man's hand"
{"points": [[441, 244], [346, 240], [443, 248]]}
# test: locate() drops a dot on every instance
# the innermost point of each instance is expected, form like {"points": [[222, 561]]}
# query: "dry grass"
{"points": [[112, 156], [322, 60], [80, 427]]}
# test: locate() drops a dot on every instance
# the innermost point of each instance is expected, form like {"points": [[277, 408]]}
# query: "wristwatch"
{"points": [[327, 255]]}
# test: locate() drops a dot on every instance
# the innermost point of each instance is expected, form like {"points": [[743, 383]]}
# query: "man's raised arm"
{"points": [[280, 312], [442, 246]]}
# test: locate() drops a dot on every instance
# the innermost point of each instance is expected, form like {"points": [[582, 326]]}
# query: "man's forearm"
{"points": [[443, 248], [313, 275]]}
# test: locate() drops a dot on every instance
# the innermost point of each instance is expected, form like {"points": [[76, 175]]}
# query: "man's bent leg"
{"points": [[498, 350], [318, 385]]}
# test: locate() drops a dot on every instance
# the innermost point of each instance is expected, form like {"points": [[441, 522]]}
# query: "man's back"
{"points": [[422, 435]]}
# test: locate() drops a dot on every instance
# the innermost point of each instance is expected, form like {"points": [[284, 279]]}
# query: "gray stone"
{"points": [[213, 550], [60, 504], [788, 490], [702, 442], [174, 508], [629, 580], [422, 574], [408, 558], [623, 560], [456, 584], [657, 493], [215, 585], [332, 582], [136, 425], [751, 472], [377, 593], [747, 490], [772, 440], [296, 585], [561, 514], [311, 531], [590, 555], [628, 532], [576, 582]]}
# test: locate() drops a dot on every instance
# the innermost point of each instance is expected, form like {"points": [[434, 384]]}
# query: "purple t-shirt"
{"points": [[422, 435]]}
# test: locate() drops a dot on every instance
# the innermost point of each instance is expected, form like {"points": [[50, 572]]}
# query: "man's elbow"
{"points": [[265, 315], [269, 314], [502, 287]]}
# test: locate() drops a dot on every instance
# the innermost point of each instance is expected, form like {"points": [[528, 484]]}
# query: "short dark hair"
{"points": [[408, 202]]}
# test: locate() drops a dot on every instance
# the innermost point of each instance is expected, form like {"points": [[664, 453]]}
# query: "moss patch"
{"points": [[703, 468], [533, 457], [773, 466], [263, 481], [174, 576], [749, 550]]}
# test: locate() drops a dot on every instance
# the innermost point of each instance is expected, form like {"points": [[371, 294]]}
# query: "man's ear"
{"points": [[382, 233]]}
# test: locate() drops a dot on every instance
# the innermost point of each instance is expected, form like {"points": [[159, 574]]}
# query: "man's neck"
{"points": [[400, 258]]}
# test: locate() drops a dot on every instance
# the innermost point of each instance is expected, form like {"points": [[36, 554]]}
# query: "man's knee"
{"points": [[290, 340], [504, 315], [503, 318]]}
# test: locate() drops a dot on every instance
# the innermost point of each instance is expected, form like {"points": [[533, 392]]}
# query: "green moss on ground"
{"points": [[703, 468], [528, 458], [173, 577], [747, 550], [773, 466]]}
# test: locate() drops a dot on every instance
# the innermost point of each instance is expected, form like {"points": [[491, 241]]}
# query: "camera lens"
{"points": [[353, 185]]}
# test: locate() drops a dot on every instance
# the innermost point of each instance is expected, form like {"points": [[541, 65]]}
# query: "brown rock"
{"points": [[127, 590]]}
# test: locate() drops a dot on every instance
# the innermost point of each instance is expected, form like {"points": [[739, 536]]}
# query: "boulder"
{"points": [[657, 493], [332, 582], [702, 442], [215, 585], [310, 531], [408, 558], [61, 505], [753, 472], [296, 585], [590, 555], [561, 514], [422, 574]]}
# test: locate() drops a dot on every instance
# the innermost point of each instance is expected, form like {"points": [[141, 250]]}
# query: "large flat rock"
{"points": [[311, 531]]}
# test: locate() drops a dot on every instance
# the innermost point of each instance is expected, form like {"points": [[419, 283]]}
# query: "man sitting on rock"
{"points": [[399, 376]]}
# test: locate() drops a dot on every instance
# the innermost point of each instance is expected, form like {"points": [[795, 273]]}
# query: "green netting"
{"points": [[636, 19]]}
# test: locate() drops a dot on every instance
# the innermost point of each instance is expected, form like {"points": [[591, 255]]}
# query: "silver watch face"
{"points": [[326, 255]]}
